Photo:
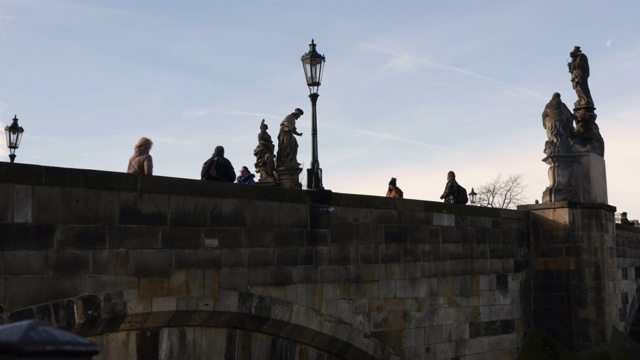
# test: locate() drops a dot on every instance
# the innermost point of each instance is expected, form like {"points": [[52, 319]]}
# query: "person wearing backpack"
{"points": [[393, 190], [453, 192], [218, 168]]}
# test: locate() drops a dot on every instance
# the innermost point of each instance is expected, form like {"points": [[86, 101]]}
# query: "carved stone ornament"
{"points": [[287, 144], [265, 157], [557, 119]]}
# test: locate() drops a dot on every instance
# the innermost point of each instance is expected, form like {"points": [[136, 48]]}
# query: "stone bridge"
{"points": [[163, 268]]}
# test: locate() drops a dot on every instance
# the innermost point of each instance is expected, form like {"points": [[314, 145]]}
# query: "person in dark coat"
{"points": [[625, 220], [393, 190], [245, 177], [218, 168], [451, 189]]}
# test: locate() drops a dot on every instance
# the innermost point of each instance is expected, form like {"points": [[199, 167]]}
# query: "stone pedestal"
{"points": [[573, 267], [289, 177], [592, 178], [576, 177], [562, 182], [270, 181]]}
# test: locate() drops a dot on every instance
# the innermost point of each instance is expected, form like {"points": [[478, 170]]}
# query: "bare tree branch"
{"points": [[505, 194]]}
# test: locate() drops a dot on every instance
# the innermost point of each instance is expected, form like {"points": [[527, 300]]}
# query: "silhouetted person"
{"points": [[245, 177], [450, 193], [141, 163], [393, 190], [624, 220], [218, 168]]}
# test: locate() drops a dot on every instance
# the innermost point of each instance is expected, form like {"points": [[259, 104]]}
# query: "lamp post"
{"points": [[14, 135], [313, 64], [472, 197]]}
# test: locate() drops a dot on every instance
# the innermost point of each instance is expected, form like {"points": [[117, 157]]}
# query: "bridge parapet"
{"points": [[426, 279]]}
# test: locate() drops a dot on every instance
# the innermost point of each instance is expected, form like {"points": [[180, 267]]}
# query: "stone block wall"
{"points": [[628, 278], [574, 266], [200, 343], [429, 280]]}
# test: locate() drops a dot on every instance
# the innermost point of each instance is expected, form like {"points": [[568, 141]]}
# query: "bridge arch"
{"points": [[97, 316]]}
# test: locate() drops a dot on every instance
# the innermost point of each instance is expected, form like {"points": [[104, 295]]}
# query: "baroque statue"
{"points": [[557, 119], [586, 137], [264, 153], [575, 155], [287, 143], [579, 69]]}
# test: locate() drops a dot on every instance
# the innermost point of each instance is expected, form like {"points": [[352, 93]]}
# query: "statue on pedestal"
{"points": [[579, 69], [586, 137], [575, 155], [287, 143], [265, 158], [287, 165], [557, 119]]}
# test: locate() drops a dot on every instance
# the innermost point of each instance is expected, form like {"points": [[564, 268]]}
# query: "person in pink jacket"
{"points": [[141, 162]]}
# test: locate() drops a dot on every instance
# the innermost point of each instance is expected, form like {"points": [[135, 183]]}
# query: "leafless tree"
{"points": [[505, 194]]}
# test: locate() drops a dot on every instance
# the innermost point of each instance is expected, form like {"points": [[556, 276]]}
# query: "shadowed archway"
{"points": [[97, 315]]}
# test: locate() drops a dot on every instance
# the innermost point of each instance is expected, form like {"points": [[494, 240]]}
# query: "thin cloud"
{"points": [[193, 114], [403, 60], [4, 17], [173, 141], [387, 136]]}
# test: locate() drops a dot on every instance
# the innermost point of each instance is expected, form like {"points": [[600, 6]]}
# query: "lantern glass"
{"points": [[313, 64], [14, 135], [472, 196]]}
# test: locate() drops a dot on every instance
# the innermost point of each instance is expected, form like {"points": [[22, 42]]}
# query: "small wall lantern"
{"points": [[14, 135], [472, 196]]}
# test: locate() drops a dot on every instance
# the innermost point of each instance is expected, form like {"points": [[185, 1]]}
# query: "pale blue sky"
{"points": [[412, 89]]}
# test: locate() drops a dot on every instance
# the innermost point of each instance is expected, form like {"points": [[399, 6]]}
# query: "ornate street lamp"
{"points": [[313, 64], [472, 197], [14, 135]]}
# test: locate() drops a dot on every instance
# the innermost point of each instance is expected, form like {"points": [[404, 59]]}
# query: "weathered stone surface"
{"points": [[287, 257], [234, 278], [396, 234], [46, 204], [103, 283], [384, 216], [67, 263], [109, 262], [150, 262], [289, 237], [149, 287], [189, 210], [22, 203], [294, 216], [81, 237], [198, 258], [24, 263], [134, 237], [26, 236], [143, 209], [181, 238], [6, 198], [88, 207], [95, 179]]}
